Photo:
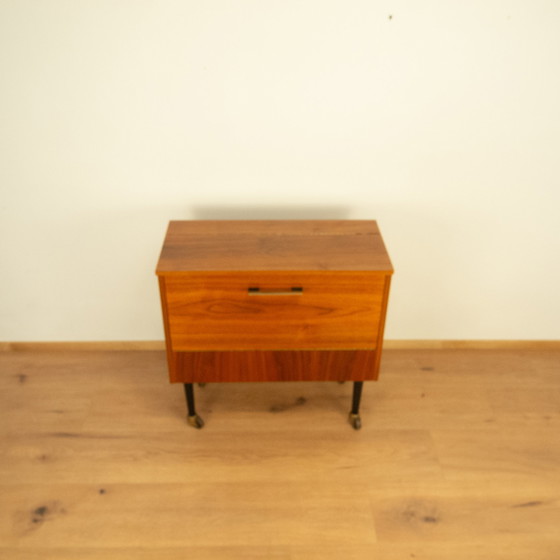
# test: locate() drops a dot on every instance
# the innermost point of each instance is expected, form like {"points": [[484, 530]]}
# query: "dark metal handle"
{"points": [[295, 291]]}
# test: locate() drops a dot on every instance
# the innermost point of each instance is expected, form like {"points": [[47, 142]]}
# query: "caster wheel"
{"points": [[355, 420], [195, 421]]}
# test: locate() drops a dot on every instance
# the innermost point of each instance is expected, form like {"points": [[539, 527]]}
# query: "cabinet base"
{"points": [[289, 365]]}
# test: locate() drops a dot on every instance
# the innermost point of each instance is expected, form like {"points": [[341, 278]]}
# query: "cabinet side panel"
{"points": [[331, 365], [172, 357], [384, 304]]}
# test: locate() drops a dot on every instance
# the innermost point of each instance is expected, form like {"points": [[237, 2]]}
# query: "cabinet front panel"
{"points": [[274, 311], [220, 367]]}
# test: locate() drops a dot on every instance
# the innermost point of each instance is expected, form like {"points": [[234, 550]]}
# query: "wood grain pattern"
{"points": [[382, 317], [325, 365], [171, 354], [215, 311], [458, 457], [296, 245], [209, 273]]}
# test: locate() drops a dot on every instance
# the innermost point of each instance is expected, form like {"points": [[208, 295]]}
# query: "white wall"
{"points": [[440, 119]]}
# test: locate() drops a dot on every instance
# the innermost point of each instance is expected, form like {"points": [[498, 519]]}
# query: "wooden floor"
{"points": [[458, 458]]}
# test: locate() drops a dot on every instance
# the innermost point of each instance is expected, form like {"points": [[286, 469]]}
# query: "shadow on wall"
{"points": [[270, 212]]}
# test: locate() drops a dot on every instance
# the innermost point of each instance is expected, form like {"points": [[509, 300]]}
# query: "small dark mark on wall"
{"points": [[102, 491], [22, 378], [427, 368], [390, 17], [429, 519], [423, 395]]}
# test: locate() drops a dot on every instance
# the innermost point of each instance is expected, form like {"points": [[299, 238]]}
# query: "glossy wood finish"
{"points": [[171, 354], [216, 311], [326, 365], [382, 319], [209, 272], [297, 245]]}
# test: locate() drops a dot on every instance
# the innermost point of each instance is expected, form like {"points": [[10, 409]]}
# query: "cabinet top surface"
{"points": [[291, 245]]}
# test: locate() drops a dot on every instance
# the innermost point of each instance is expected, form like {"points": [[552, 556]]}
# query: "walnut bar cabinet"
{"points": [[280, 300]]}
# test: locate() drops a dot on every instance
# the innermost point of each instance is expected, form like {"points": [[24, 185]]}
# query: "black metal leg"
{"points": [[354, 416], [193, 418], [357, 396], [189, 394]]}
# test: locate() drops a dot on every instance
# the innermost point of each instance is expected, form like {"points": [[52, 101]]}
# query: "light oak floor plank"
{"points": [[458, 458]]}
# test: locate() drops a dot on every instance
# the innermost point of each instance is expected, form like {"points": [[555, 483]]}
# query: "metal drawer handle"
{"points": [[295, 291]]}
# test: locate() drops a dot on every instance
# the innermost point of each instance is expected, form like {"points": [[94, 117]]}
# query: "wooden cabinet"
{"points": [[273, 300]]}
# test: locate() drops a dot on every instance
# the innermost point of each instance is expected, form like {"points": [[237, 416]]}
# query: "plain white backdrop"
{"points": [[440, 119]]}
